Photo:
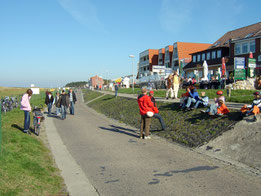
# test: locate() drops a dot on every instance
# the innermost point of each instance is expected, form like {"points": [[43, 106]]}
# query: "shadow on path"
{"points": [[122, 130]]}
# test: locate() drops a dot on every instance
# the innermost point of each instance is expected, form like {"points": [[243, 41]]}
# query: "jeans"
{"points": [[72, 108], [199, 102], [212, 109], [116, 93], [159, 117], [63, 108], [26, 120], [189, 101], [58, 110], [49, 108], [145, 124]]}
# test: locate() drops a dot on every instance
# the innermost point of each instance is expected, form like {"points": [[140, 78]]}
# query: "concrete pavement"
{"points": [[116, 162]]}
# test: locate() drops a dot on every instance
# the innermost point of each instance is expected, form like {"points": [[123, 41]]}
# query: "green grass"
{"points": [[27, 167], [188, 128], [238, 96], [90, 95]]}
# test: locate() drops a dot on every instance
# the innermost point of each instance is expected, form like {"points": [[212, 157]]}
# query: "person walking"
{"points": [[26, 107], [56, 103], [156, 111], [116, 88], [169, 87], [72, 98], [146, 112], [176, 82], [64, 103], [49, 102]]}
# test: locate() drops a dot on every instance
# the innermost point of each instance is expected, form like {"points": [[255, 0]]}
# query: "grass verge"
{"points": [[189, 128], [89, 95], [27, 167]]}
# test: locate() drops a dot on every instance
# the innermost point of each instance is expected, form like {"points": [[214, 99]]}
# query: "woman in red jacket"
{"points": [[146, 112]]}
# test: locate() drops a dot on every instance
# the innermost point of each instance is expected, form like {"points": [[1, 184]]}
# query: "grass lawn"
{"points": [[239, 96], [89, 95], [188, 128], [27, 167]]}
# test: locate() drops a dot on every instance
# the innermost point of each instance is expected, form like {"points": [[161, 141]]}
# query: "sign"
{"points": [[36, 91], [239, 62], [158, 69], [251, 63], [239, 74]]}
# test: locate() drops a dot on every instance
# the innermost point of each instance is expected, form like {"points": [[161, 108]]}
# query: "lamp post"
{"points": [[132, 56]]}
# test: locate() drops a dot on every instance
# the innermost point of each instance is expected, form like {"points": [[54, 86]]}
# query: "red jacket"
{"points": [[155, 109], [222, 109], [145, 104]]}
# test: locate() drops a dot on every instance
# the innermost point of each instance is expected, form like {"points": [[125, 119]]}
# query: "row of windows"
{"points": [[206, 56], [245, 47]]}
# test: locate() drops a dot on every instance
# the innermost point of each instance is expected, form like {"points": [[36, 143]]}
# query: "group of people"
{"points": [[61, 102], [172, 85], [190, 100]]}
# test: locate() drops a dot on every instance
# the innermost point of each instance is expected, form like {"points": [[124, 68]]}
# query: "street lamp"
{"points": [[132, 56]]}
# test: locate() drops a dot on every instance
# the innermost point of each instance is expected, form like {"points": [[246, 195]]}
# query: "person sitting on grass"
{"points": [[219, 110], [183, 98], [203, 101], [253, 109], [220, 97], [193, 98], [156, 111]]}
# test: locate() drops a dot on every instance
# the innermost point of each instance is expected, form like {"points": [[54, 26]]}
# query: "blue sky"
{"points": [[52, 42]]}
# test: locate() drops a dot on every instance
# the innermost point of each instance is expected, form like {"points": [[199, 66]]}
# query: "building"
{"points": [[182, 51], [168, 56], [148, 58], [234, 43], [96, 81], [161, 56]]}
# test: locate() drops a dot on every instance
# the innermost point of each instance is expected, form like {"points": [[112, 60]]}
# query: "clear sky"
{"points": [[52, 42]]}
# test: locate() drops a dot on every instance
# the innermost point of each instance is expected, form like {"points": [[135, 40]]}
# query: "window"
{"points": [[253, 46], [245, 48], [219, 54], [237, 49], [208, 55], [203, 56], [198, 57], [194, 58], [213, 54]]}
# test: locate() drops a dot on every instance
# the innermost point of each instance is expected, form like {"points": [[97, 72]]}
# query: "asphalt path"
{"points": [[117, 162]]}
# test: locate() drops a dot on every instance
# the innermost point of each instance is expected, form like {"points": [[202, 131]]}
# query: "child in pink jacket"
{"points": [[26, 107]]}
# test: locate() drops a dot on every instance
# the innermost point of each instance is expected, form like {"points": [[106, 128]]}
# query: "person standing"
{"points": [[146, 112], [156, 111], [64, 103], [26, 107], [49, 102], [169, 87], [116, 88], [176, 81], [56, 103], [72, 98]]}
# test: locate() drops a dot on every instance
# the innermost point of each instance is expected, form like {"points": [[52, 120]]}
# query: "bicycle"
{"points": [[37, 119]]}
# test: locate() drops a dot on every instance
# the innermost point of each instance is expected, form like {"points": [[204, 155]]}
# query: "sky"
{"points": [[50, 43]]}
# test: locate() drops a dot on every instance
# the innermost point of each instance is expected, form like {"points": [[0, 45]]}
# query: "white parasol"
{"points": [[205, 71]]}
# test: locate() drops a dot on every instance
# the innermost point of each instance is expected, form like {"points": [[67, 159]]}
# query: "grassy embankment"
{"points": [[90, 96], [27, 167], [188, 128], [238, 96]]}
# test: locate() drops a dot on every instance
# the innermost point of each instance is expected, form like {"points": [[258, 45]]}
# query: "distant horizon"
{"points": [[53, 42]]}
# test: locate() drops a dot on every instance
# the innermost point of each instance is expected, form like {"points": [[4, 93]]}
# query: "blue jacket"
{"points": [[194, 94]]}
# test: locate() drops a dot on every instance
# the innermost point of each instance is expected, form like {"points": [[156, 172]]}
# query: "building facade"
{"points": [[147, 59], [96, 81]]}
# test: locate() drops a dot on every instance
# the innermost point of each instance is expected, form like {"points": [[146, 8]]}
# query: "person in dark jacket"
{"points": [[156, 111], [116, 89], [72, 98], [64, 103], [146, 112], [49, 102]]}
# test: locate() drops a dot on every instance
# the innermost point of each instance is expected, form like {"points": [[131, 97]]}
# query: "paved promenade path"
{"points": [[230, 105], [117, 162]]}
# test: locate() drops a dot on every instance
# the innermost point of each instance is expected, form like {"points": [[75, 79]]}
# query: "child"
{"points": [[247, 110], [184, 98], [219, 110], [202, 100], [220, 97], [156, 111]]}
